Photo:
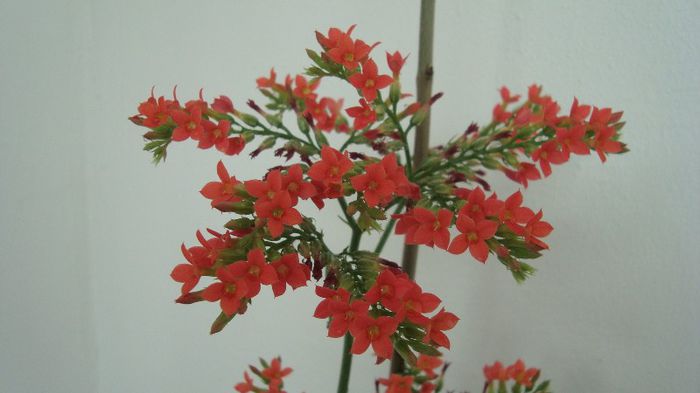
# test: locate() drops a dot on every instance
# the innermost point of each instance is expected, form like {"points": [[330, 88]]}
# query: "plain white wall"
{"points": [[90, 229]]}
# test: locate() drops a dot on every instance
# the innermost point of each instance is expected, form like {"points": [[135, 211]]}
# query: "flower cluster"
{"points": [[421, 378], [518, 373], [271, 375], [359, 156], [393, 314]]}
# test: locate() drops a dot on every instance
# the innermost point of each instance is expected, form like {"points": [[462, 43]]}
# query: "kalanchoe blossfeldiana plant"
{"points": [[358, 156]]}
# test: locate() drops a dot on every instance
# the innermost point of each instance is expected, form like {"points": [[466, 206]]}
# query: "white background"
{"points": [[89, 229]]}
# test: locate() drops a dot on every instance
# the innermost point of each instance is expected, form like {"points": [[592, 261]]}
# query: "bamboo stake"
{"points": [[424, 90]]}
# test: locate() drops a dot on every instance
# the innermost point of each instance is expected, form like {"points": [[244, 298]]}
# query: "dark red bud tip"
{"points": [[435, 98], [471, 129], [254, 106], [357, 156], [483, 184], [189, 298], [309, 119], [136, 119], [151, 135]]}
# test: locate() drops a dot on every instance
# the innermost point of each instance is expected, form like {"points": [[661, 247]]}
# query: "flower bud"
{"points": [[243, 207], [249, 119]]}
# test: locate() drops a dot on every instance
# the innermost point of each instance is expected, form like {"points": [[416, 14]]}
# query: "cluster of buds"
{"points": [[441, 201], [421, 378], [523, 379], [394, 314], [271, 375]]}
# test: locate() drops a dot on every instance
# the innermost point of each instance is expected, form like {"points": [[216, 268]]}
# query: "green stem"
{"points": [[346, 364], [387, 231]]}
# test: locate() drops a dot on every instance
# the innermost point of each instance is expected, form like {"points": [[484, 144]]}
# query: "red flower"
{"points": [[500, 115], [415, 303], [513, 213], [369, 82], [428, 364], [331, 168], [230, 290], [579, 113], [526, 172], [520, 374], [305, 90], [289, 271], [156, 112], [395, 62], [324, 112], [389, 290], [189, 124], [571, 140], [440, 322], [397, 383], [330, 298], [397, 174], [603, 142], [222, 104], [363, 115], [374, 184], [254, 271], [295, 185], [478, 207], [247, 386], [377, 332], [473, 237], [536, 228], [334, 36], [433, 227], [274, 373], [495, 372], [189, 273], [349, 53], [269, 82], [549, 153], [217, 134], [266, 190], [343, 316], [221, 191], [279, 212], [506, 97]]}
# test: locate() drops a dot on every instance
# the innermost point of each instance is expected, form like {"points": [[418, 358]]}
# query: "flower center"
{"points": [[472, 236], [349, 57], [373, 332], [369, 83], [231, 288], [277, 213]]}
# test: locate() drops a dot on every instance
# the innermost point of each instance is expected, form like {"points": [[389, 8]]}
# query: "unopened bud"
{"points": [[243, 207], [249, 119]]}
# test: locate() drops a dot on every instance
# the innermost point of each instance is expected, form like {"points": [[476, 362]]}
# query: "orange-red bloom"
{"points": [[274, 373], [331, 168], [520, 374], [279, 211], [427, 364], [397, 383], [348, 52], [363, 115], [189, 123], [473, 237], [221, 191], [374, 184], [440, 322], [369, 81], [395, 62], [230, 290], [495, 372], [344, 315], [376, 332], [289, 271], [254, 271]]}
